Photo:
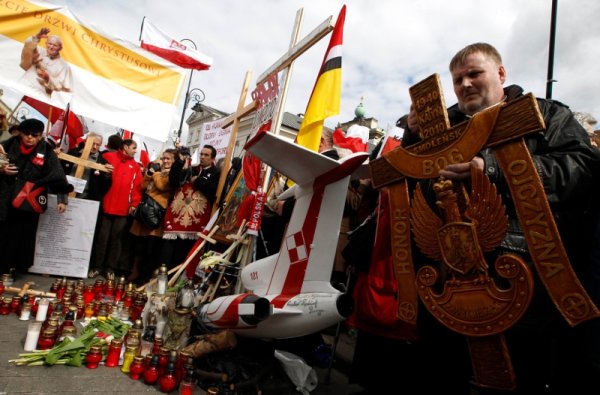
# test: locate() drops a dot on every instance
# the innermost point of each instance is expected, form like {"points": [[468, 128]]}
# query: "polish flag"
{"points": [[172, 50], [356, 138], [126, 134], [144, 156], [392, 139], [56, 116]]}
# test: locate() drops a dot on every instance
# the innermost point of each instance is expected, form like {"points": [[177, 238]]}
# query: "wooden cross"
{"points": [[82, 162], [284, 63], [234, 119]]}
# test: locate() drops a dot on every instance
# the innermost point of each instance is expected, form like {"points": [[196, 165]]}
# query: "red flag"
{"points": [[74, 127], [172, 50], [144, 156]]}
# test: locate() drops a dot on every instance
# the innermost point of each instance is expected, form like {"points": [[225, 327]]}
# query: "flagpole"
{"points": [[187, 92]]}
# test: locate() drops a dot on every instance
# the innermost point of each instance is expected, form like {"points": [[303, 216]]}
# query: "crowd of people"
{"points": [[123, 244], [548, 355]]}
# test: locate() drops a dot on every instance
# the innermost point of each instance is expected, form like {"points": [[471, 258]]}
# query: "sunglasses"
{"points": [[34, 134]]}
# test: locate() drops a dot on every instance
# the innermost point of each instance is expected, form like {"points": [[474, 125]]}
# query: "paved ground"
{"points": [[80, 380]]}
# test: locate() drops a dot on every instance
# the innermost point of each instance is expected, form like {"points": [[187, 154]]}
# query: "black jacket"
{"points": [[44, 171], [568, 166], [207, 181]]}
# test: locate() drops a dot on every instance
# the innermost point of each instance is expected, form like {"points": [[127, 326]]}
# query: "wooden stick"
{"points": [[225, 255], [194, 253], [179, 268], [152, 281], [31, 292]]}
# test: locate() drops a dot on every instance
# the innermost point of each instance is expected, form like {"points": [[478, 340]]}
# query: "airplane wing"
{"points": [[294, 161]]}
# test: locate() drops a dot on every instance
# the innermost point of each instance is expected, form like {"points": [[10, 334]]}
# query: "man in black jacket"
{"points": [[548, 355]]}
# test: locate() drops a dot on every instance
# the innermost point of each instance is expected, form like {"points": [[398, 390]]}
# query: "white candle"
{"points": [[160, 327], [33, 333], [42, 310], [25, 313]]}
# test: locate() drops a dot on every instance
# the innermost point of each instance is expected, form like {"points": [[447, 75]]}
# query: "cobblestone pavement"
{"points": [[80, 380]]}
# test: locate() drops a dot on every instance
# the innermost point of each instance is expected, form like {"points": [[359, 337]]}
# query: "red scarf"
{"points": [[25, 150]]}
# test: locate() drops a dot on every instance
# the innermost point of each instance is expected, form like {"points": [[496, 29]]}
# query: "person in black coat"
{"points": [[30, 159]]}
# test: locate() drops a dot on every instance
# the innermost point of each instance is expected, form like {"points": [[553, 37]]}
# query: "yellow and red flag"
{"points": [[325, 98]]}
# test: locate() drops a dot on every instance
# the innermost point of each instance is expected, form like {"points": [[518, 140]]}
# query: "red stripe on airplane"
{"points": [[231, 317]]}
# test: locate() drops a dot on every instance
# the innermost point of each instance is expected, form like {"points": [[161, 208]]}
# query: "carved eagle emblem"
{"points": [[460, 239]]}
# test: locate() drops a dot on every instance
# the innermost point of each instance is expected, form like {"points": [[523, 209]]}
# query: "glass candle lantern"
{"points": [[25, 312], [168, 381], [114, 353], [93, 358], [161, 280], [128, 357], [187, 385], [15, 305], [47, 339], [137, 368], [5, 306], [151, 372]]}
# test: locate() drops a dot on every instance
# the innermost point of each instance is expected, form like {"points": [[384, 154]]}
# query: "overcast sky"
{"points": [[388, 45]]}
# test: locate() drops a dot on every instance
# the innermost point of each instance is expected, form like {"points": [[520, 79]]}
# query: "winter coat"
{"points": [[126, 188], [41, 166], [158, 188]]}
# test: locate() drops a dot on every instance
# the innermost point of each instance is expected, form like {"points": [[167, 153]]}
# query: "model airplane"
{"points": [[289, 293]]}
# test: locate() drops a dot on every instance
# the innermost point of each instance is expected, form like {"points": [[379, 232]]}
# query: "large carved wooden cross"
{"points": [[501, 128]]}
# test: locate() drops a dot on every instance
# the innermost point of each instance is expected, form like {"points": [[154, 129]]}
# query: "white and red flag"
{"points": [[356, 138], [159, 43], [113, 81]]}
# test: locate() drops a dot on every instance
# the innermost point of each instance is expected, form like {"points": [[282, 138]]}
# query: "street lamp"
{"points": [[198, 97], [22, 114]]}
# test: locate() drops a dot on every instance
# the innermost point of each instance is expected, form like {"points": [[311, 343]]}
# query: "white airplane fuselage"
{"points": [[289, 293]]}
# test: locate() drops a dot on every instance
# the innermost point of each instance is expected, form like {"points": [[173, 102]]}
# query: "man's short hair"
{"points": [[213, 150], [114, 142], [95, 136], [484, 48], [327, 135], [32, 126], [128, 142]]}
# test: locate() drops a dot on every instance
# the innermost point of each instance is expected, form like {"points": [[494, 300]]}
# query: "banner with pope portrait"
{"points": [[49, 54]]}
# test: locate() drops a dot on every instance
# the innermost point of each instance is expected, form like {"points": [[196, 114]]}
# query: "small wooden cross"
{"points": [[82, 162]]}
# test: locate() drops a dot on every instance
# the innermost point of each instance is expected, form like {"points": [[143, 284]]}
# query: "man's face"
{"points": [[96, 146], [478, 83], [53, 47], [205, 157], [130, 150]]}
